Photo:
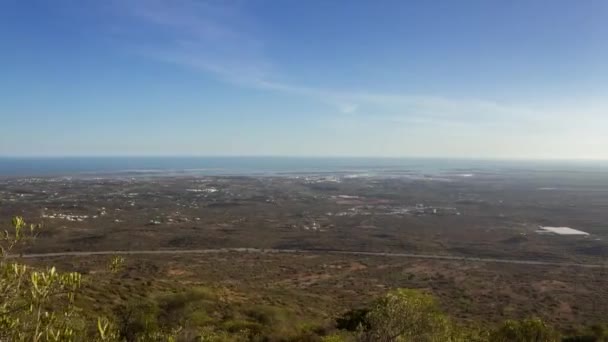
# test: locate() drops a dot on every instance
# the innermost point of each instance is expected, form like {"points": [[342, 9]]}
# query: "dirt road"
{"points": [[296, 251]]}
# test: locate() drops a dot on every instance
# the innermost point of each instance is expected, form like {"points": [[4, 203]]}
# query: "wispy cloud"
{"points": [[214, 37], [219, 38]]}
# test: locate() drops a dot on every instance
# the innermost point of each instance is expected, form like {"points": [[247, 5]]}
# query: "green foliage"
{"points": [[35, 305], [19, 235], [137, 320], [39, 305], [187, 308], [106, 330], [208, 334], [333, 338], [243, 327], [116, 264], [266, 315], [406, 315], [470, 334], [528, 330]]}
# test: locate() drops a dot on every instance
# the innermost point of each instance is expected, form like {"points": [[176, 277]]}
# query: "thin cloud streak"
{"points": [[215, 38]]}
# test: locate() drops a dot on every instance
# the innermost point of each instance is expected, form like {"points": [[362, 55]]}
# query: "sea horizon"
{"points": [[245, 165]]}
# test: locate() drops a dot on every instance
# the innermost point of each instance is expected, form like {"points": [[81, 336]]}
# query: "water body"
{"points": [[73, 166]]}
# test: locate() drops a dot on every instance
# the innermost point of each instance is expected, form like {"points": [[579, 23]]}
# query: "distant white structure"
{"points": [[563, 231]]}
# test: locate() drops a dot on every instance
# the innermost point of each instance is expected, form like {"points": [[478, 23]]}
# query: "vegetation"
{"points": [[406, 315], [35, 305], [40, 305]]}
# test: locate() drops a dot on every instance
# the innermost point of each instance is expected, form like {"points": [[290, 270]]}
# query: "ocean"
{"points": [[74, 166]]}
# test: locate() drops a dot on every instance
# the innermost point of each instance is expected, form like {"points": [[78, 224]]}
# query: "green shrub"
{"points": [[528, 330], [265, 315], [406, 315], [136, 320], [242, 327], [35, 305]]}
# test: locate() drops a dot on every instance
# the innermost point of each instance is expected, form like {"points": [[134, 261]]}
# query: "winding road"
{"points": [[304, 251]]}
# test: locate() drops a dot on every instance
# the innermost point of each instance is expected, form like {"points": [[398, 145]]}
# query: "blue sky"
{"points": [[473, 79]]}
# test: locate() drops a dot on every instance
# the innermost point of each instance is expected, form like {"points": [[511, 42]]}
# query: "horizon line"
{"points": [[472, 158]]}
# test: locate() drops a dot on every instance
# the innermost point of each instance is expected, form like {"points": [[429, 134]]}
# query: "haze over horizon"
{"points": [[475, 79]]}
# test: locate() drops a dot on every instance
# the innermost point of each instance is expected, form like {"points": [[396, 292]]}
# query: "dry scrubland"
{"points": [[321, 287], [492, 215]]}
